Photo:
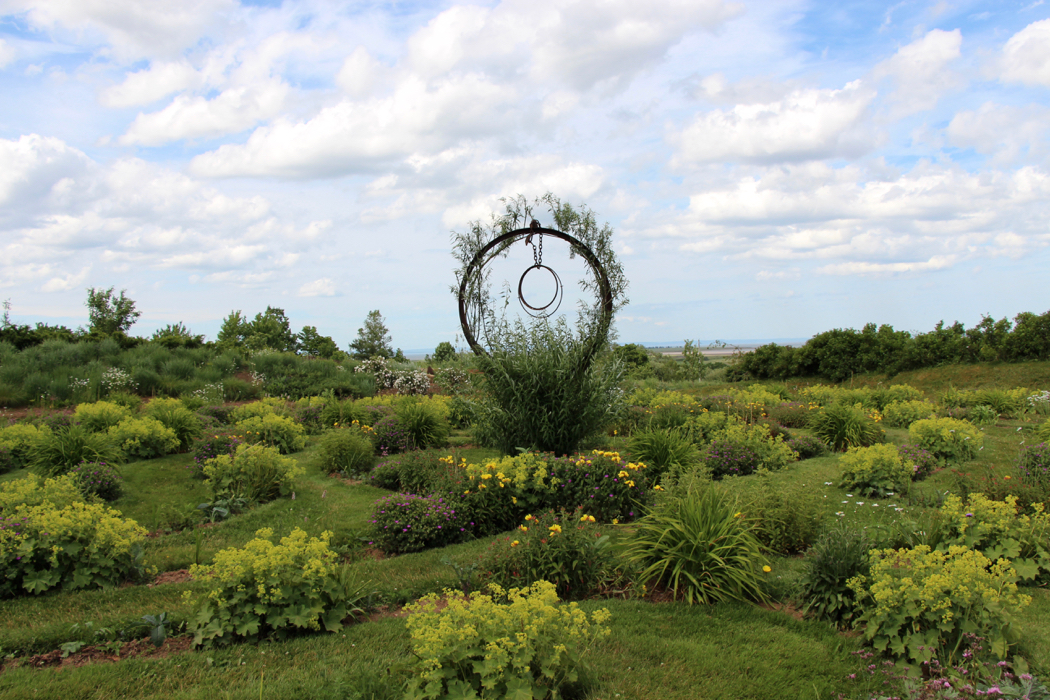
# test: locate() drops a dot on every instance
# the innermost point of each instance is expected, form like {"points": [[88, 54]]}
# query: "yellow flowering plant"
{"points": [[948, 439], [143, 438], [268, 588], [79, 545], [18, 439], [566, 548], [997, 529], [876, 471], [274, 430], [517, 643], [919, 604]]}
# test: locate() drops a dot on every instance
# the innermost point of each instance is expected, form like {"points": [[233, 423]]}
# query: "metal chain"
{"points": [[537, 255]]}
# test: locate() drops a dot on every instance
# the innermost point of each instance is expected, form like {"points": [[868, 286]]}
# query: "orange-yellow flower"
{"points": [[515, 543], [766, 568], [555, 528]]}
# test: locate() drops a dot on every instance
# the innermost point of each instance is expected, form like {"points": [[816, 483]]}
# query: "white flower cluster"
{"points": [[116, 379], [211, 392], [403, 381]]}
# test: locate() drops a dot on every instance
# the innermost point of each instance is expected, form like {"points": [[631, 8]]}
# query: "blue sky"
{"points": [[771, 169]]}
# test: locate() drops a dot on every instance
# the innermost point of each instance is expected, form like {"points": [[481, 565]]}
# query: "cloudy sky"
{"points": [[771, 168]]}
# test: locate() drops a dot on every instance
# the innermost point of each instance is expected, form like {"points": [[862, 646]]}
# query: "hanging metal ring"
{"points": [[499, 244], [541, 311]]}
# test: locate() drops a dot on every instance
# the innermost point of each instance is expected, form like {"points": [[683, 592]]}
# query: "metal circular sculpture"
{"points": [[500, 244]]}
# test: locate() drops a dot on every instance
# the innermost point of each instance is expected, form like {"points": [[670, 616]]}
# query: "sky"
{"points": [[771, 169]]}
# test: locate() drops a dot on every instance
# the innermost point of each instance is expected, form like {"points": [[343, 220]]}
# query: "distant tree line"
{"points": [[840, 353]]}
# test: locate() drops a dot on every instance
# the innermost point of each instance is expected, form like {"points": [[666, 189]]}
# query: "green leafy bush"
{"points": [[947, 439], [565, 548], [276, 431], [390, 437], [256, 473], [700, 547], [98, 480], [662, 450], [791, 414], [175, 416], [100, 416], [901, 414], [1042, 432], [807, 446], [740, 449], [346, 450], [839, 555], [923, 461], [58, 451], [424, 423], [997, 529], [877, 471], [920, 603], [983, 415], [77, 546], [516, 644], [19, 439], [273, 589], [143, 438], [843, 426], [786, 520]]}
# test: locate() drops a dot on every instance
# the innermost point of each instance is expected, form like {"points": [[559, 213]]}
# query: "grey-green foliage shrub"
{"points": [[100, 416], [173, 414], [843, 426], [662, 450], [787, 520], [838, 555], [345, 450], [541, 392], [700, 548], [143, 438], [901, 414], [424, 423], [58, 451]]}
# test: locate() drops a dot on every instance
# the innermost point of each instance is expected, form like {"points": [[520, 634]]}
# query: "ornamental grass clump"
{"points": [[843, 426], [268, 589], [565, 548], [948, 439], [919, 604], [78, 546], [663, 450], [59, 450], [424, 423], [345, 450], [519, 643], [255, 473], [701, 547], [877, 471]]}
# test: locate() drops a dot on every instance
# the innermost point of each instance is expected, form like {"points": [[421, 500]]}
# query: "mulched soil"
{"points": [[180, 576], [135, 649]]}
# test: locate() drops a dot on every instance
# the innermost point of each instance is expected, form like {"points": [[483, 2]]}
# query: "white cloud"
{"points": [[39, 173], [361, 73], [66, 282], [356, 136], [132, 28], [1026, 56], [7, 53], [1007, 133], [804, 125], [921, 71], [937, 262], [318, 288], [232, 111], [151, 84]]}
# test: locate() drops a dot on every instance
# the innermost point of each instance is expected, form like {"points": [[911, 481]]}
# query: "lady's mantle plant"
{"points": [[515, 644]]}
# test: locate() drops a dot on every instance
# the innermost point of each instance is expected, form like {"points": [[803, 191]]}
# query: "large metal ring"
{"points": [[544, 311], [499, 244]]}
